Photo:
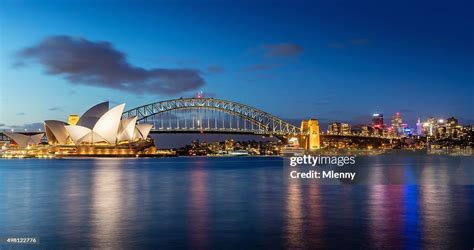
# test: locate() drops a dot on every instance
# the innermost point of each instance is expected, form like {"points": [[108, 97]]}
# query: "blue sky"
{"points": [[331, 60]]}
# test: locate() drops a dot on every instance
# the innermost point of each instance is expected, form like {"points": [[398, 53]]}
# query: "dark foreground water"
{"points": [[223, 203]]}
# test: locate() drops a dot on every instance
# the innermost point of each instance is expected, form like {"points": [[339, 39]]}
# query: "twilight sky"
{"points": [[331, 60]]}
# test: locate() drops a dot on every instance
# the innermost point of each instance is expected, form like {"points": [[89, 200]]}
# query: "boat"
{"points": [[238, 153]]}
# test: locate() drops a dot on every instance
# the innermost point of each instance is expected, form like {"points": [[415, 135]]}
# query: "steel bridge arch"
{"points": [[268, 123]]}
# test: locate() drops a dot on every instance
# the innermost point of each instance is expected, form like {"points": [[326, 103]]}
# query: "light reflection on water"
{"points": [[295, 218], [198, 208], [110, 199], [227, 203]]}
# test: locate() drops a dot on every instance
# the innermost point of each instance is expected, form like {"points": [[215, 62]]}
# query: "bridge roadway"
{"points": [[211, 131]]}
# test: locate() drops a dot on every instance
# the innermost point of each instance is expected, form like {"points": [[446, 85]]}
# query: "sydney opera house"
{"points": [[100, 131]]}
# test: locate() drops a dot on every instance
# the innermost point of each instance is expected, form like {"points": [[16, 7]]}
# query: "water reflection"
{"points": [[76, 197], [411, 215], [198, 208], [112, 203], [436, 219], [315, 218], [385, 215], [295, 219], [227, 203]]}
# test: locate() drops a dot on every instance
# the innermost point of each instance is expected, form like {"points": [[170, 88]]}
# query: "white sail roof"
{"points": [[108, 124], [127, 129], [77, 133], [102, 126], [25, 140], [142, 130], [56, 132], [92, 137], [91, 116]]}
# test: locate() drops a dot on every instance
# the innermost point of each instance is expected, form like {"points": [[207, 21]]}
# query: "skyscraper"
{"points": [[397, 124], [377, 121], [419, 128]]}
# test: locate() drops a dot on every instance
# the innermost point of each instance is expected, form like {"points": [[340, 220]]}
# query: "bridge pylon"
{"points": [[309, 138]]}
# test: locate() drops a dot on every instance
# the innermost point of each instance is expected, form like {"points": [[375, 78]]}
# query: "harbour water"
{"points": [[224, 203]]}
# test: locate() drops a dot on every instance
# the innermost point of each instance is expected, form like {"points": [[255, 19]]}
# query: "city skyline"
{"points": [[330, 61]]}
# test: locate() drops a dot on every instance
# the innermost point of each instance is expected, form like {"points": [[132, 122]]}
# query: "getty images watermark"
{"points": [[322, 169], [386, 169]]}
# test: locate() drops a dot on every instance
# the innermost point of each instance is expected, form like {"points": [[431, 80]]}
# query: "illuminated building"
{"points": [[229, 144], [453, 129], [312, 140], [452, 122], [73, 119], [397, 126], [377, 121], [98, 125], [419, 128], [338, 128], [99, 131], [429, 126], [364, 131]]}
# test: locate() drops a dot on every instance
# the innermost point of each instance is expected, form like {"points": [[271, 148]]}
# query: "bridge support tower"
{"points": [[310, 139]]}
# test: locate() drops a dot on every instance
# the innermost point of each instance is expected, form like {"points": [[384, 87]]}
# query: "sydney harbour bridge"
{"points": [[214, 116], [209, 115]]}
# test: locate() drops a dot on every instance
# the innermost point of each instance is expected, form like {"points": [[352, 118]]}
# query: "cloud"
{"points": [[21, 113], [99, 64], [282, 50], [56, 109], [215, 69], [361, 41]]}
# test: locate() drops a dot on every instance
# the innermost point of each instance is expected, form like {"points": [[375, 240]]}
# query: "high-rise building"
{"points": [[333, 128], [452, 122], [419, 127], [397, 124], [338, 128], [377, 121], [364, 131], [453, 128], [429, 126]]}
